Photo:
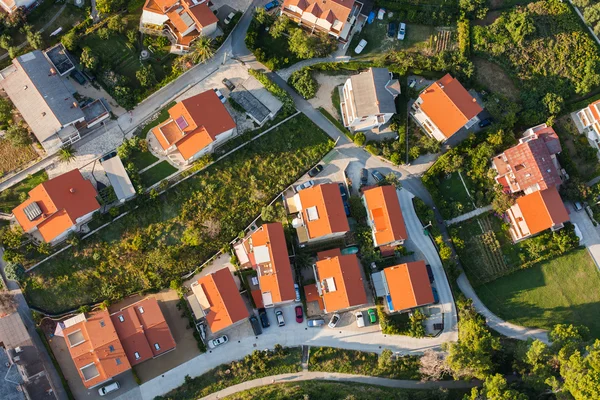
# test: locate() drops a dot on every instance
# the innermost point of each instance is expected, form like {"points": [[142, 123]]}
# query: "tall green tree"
{"points": [[202, 50], [109, 6], [88, 59], [145, 75], [18, 135], [66, 154], [495, 388]]}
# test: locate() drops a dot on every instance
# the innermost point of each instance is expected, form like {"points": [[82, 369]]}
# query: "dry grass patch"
{"points": [[495, 79], [12, 157]]}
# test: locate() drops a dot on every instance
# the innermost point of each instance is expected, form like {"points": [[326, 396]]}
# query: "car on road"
{"points": [[279, 317], [578, 206], [228, 18], [401, 31], [315, 171], [314, 323], [305, 185], [271, 5], [220, 96], [391, 29], [228, 84], [255, 325], [104, 390], [334, 320], [377, 175], [361, 46], [485, 122], [436, 296], [299, 314], [360, 319], [218, 341], [344, 194], [364, 176], [297, 289], [264, 318], [372, 315], [429, 273]]}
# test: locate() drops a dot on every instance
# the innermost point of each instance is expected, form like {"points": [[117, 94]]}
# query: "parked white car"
{"points": [[380, 14], [361, 46], [218, 341], [360, 319], [103, 391], [220, 96], [334, 320], [229, 18], [402, 31], [305, 185]]}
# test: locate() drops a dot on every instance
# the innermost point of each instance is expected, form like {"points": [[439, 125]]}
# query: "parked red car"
{"points": [[299, 314]]}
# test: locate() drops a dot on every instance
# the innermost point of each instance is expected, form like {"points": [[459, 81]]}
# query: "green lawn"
{"points": [[330, 359], [416, 39], [256, 365], [563, 290], [11, 197], [141, 159], [326, 390], [174, 233], [453, 191], [157, 173]]}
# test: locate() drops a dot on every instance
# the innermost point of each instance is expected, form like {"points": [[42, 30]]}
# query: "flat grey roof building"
{"points": [[254, 108], [117, 175], [374, 92]]}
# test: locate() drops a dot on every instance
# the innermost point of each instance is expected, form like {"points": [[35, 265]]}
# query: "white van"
{"points": [[360, 320], [109, 388]]}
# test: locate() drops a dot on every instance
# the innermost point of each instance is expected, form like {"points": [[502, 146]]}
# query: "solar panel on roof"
{"points": [[181, 123], [32, 211]]}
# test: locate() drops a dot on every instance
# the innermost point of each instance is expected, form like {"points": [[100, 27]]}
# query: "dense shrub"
{"points": [[304, 83]]}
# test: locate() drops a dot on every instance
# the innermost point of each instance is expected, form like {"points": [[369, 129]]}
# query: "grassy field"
{"points": [[157, 173], [324, 390], [563, 290], [12, 157], [256, 365], [142, 159], [454, 191], [417, 38], [174, 233], [493, 77], [330, 359], [11, 197]]}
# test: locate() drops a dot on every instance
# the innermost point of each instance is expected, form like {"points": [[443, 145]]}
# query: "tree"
{"points": [[553, 103], [70, 40], [202, 50], [433, 365], [496, 388], [132, 36], [304, 83], [563, 334], [145, 75], [274, 213], [6, 110], [280, 26], [384, 361], [18, 135], [6, 41], [66, 154], [109, 6], [13, 51], [88, 59], [117, 24], [300, 44], [14, 271], [502, 201], [262, 16], [592, 14], [536, 364], [34, 38], [359, 138], [519, 25], [581, 373], [103, 33]]}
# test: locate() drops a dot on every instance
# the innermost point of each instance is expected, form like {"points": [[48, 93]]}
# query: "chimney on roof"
{"points": [[74, 105], [474, 100], [72, 190], [25, 87], [52, 71]]}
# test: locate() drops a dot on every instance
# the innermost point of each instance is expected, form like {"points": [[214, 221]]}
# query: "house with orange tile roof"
{"points": [[143, 331], [265, 250], [95, 348], [197, 125], [384, 216], [217, 300], [404, 286], [536, 212], [320, 213], [368, 99], [104, 345], [339, 281], [587, 122], [57, 207], [444, 108], [10, 6], [182, 21], [532, 164], [334, 17]]}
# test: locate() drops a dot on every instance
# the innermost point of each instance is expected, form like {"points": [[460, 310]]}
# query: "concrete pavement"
{"points": [[469, 215], [590, 234], [338, 377]]}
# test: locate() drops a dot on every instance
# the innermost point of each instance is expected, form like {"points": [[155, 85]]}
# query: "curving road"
{"points": [[338, 377]]}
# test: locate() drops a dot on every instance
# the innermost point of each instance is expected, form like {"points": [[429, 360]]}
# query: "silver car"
{"points": [[361, 46], [218, 341], [305, 185], [279, 317], [334, 320]]}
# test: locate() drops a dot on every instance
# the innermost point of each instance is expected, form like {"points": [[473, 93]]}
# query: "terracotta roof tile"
{"points": [[327, 200], [384, 210], [226, 304], [340, 8], [203, 15], [408, 285], [449, 105], [62, 200], [542, 210], [342, 276]]}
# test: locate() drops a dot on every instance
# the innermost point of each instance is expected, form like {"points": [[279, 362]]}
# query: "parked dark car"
{"points": [[264, 319], [299, 314], [271, 5], [430, 273], [228, 84], [436, 296], [391, 30], [78, 76], [377, 175], [255, 325], [485, 122], [344, 194], [315, 171], [364, 176]]}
